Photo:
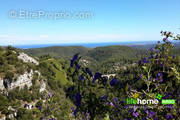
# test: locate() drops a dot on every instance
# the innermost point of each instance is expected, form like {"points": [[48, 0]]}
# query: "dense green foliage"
{"points": [[156, 74], [64, 52], [100, 58], [52, 69], [53, 74], [10, 65], [94, 96]]}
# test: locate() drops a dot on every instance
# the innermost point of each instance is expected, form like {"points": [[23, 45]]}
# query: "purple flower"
{"points": [[40, 108], [170, 106], [77, 66], [72, 63], [157, 62], [81, 77], [152, 49], [165, 39], [144, 118], [111, 104], [150, 79], [161, 79], [50, 94], [47, 98], [115, 99], [135, 114], [140, 62], [157, 55], [141, 76], [87, 113], [72, 108], [78, 99], [131, 110], [96, 76], [152, 56], [52, 108], [168, 42], [134, 108], [74, 59], [42, 118], [89, 72], [42, 96], [103, 97], [113, 82], [151, 114], [156, 85], [159, 74], [169, 116], [145, 60], [162, 64], [121, 102], [104, 79], [70, 89], [75, 111]]}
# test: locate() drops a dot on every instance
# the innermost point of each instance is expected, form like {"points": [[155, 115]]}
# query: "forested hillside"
{"points": [[95, 58], [66, 83], [65, 52], [32, 89], [127, 95], [107, 59]]}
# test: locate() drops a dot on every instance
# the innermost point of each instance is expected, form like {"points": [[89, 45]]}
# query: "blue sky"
{"points": [[110, 21]]}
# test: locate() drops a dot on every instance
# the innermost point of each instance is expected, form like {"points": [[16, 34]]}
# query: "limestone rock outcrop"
{"points": [[27, 58]]}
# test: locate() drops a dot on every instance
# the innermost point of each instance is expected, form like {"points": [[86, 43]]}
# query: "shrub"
{"points": [[9, 76]]}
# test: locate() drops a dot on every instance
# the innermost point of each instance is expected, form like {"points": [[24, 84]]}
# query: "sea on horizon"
{"points": [[88, 45]]}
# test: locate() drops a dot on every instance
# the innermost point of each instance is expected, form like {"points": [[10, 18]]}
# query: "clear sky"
{"points": [[108, 20]]}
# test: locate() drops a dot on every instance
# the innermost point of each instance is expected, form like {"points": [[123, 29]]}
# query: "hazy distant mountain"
{"points": [[99, 53], [57, 51]]}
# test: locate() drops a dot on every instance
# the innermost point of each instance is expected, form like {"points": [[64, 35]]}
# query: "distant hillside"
{"points": [[104, 53], [57, 51], [98, 53], [99, 58], [148, 46], [111, 58], [108, 59]]}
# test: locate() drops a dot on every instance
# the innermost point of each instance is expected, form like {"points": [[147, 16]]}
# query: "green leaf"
{"points": [[107, 117]]}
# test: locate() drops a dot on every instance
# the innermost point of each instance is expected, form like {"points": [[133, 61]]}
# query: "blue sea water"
{"points": [[88, 45]]}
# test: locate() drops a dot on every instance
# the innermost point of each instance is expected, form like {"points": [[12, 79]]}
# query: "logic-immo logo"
{"points": [[150, 101]]}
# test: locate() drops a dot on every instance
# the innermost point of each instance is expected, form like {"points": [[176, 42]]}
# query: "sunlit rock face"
{"points": [[42, 86], [3, 117], [1, 84], [42, 82], [22, 80], [26, 58]]}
